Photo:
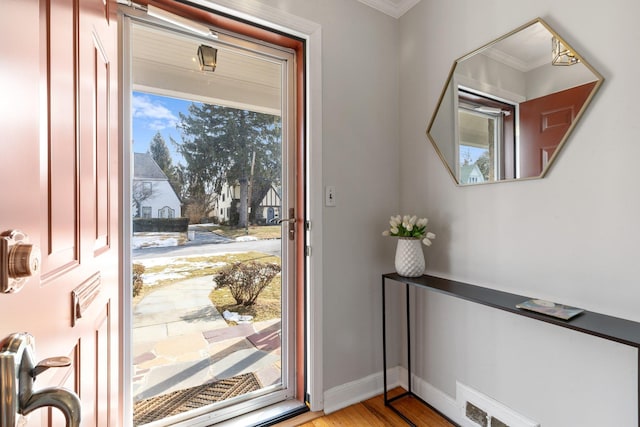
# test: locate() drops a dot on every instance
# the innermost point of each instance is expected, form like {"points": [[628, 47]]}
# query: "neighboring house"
{"points": [[268, 209], [470, 174], [152, 194]]}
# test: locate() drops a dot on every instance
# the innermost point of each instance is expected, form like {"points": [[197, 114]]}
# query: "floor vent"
{"points": [[478, 410]]}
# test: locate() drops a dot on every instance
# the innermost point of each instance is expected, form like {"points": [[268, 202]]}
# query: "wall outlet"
{"points": [[330, 195]]}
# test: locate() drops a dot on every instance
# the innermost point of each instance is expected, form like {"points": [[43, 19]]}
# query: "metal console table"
{"points": [[600, 325]]}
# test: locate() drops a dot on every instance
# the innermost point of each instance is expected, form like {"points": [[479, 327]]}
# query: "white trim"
{"points": [[373, 385], [125, 163], [314, 213], [436, 398], [365, 388], [394, 9]]}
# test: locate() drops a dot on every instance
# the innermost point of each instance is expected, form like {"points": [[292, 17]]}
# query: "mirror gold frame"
{"points": [[508, 107]]}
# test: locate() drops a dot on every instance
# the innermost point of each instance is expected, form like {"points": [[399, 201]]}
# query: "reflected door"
{"points": [[544, 122]]}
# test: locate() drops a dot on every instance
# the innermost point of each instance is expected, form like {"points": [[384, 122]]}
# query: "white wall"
{"points": [[570, 237], [162, 195]]}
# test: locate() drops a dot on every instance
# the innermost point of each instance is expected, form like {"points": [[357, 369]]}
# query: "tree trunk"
{"points": [[244, 190]]}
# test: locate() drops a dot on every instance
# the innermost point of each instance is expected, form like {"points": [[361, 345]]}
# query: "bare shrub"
{"points": [[138, 270], [246, 280]]}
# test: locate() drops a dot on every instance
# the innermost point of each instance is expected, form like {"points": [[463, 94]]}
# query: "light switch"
{"points": [[330, 195]]}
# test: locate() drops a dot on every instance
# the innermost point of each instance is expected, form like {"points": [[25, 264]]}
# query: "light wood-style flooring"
{"points": [[373, 413]]}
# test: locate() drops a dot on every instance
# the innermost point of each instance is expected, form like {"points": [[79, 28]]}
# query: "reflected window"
{"points": [[487, 141]]}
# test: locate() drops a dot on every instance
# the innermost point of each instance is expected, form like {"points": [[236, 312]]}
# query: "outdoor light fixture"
{"points": [[562, 55], [207, 56]]}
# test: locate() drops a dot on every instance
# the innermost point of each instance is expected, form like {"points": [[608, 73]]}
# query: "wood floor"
{"points": [[372, 412]]}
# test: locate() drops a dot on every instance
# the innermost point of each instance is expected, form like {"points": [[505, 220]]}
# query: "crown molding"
{"points": [[392, 8]]}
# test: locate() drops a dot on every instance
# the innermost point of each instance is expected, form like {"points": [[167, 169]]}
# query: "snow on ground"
{"points": [[175, 268], [246, 239], [147, 240]]}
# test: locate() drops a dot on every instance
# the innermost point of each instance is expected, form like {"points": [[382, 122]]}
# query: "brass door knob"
{"points": [[19, 260]]}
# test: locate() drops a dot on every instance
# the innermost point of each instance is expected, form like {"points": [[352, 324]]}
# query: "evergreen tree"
{"points": [[218, 146], [484, 164], [160, 153]]}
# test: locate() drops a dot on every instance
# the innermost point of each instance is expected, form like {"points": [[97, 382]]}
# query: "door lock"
{"points": [[19, 260]]}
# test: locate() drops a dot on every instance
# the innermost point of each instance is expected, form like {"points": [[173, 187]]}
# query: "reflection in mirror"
{"points": [[508, 107]]}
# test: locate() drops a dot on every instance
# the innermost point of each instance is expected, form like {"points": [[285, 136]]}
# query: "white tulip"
{"points": [[385, 233], [406, 219], [413, 220], [422, 222], [409, 227], [426, 242], [430, 235], [394, 230]]}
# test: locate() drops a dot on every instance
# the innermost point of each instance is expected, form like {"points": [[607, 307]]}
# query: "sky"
{"points": [[154, 113], [473, 153]]}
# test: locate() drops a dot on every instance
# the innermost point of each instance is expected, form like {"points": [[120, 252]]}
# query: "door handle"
{"points": [[19, 260], [280, 221], [291, 221], [17, 374]]}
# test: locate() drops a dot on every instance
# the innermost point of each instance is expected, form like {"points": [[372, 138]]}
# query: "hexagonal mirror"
{"points": [[509, 106]]}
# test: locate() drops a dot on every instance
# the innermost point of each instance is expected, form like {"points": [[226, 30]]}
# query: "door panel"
{"points": [[544, 123], [61, 237], [59, 118]]}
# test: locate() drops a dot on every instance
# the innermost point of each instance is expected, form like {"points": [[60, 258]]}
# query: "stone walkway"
{"points": [[180, 340]]}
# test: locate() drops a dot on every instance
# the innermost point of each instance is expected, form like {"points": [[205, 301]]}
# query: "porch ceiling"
{"points": [[165, 63]]}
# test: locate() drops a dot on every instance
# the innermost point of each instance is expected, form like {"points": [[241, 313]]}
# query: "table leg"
{"points": [[408, 340], [384, 343]]}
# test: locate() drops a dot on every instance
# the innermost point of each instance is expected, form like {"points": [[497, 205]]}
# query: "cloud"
{"points": [[158, 116]]}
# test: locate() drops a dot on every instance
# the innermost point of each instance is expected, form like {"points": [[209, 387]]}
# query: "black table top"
{"points": [[597, 324]]}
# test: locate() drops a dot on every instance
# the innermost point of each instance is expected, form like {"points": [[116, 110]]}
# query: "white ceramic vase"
{"points": [[409, 257]]}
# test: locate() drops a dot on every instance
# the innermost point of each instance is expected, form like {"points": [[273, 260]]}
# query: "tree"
{"points": [[140, 192], [160, 153], [484, 164], [218, 146]]}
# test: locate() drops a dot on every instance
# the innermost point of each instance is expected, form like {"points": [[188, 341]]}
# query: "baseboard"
{"points": [[365, 388], [444, 403], [356, 391]]}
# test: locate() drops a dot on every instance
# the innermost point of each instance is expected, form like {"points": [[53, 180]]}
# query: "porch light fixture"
{"points": [[208, 57], [562, 55]]}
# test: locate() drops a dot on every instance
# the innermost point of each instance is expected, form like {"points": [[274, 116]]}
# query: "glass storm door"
{"points": [[213, 252]]}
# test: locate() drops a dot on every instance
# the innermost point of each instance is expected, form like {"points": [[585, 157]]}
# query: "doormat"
{"points": [[177, 402]]}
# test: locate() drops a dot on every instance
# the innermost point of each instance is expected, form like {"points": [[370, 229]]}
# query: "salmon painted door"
{"points": [[60, 186], [544, 122]]}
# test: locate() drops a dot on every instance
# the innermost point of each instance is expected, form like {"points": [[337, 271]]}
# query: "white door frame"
{"points": [[310, 32]]}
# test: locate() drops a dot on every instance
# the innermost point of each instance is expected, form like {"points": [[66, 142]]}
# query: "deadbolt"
{"points": [[19, 260]]}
